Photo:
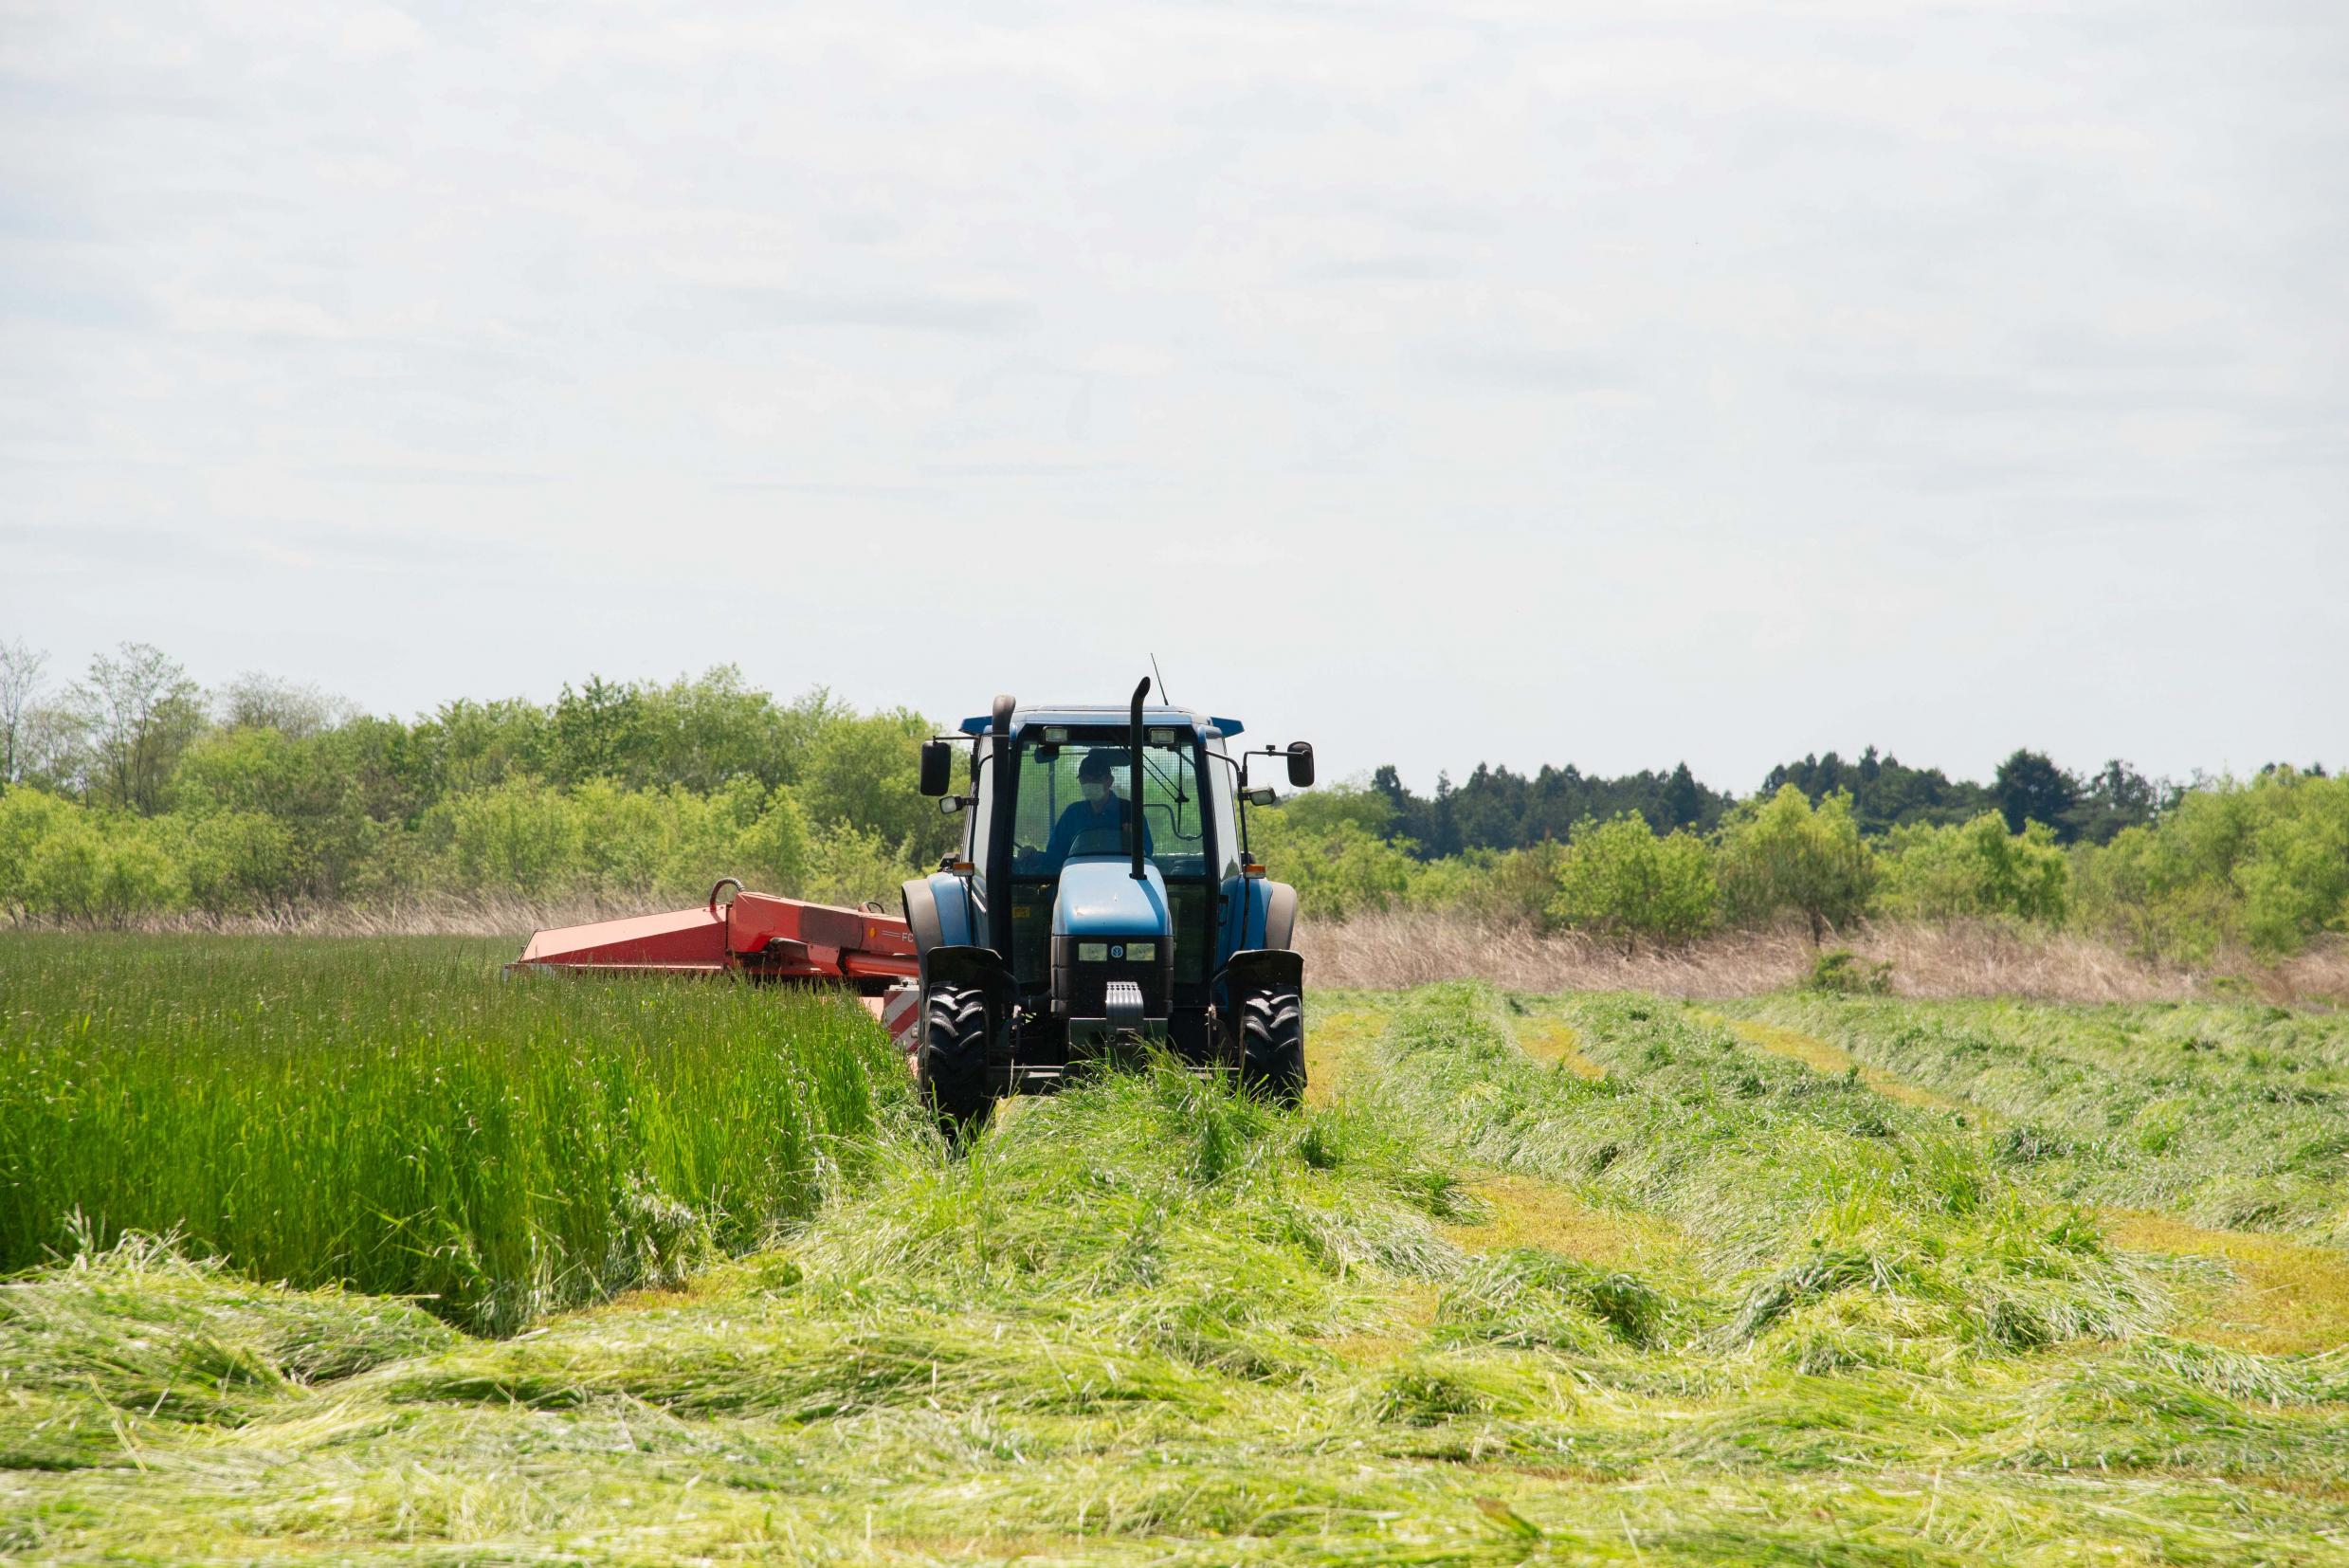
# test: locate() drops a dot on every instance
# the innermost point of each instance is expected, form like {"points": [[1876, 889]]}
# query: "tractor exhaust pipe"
{"points": [[1133, 780], [1000, 800]]}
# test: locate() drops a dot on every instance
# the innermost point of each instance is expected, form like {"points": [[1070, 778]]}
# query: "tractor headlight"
{"points": [[1103, 953]]}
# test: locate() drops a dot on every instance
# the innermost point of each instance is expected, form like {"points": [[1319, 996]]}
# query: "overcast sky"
{"points": [[1709, 381]]}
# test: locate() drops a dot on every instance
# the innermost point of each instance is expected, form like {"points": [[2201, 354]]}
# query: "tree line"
{"points": [[1500, 810], [2261, 865], [133, 792]]}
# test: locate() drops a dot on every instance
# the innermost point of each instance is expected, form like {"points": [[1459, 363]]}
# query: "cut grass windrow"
{"points": [[1856, 1228], [2235, 1117]]}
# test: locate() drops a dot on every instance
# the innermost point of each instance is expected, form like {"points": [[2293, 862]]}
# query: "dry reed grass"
{"points": [[439, 914], [1381, 952], [1397, 949]]}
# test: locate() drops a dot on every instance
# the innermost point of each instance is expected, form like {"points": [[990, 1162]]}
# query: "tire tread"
{"points": [[949, 1063], [1272, 1046]]}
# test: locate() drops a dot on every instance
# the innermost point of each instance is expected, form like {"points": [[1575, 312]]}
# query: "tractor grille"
{"points": [[1081, 986]]}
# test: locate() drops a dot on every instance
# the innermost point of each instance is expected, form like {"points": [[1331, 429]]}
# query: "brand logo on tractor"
{"points": [[1116, 951]]}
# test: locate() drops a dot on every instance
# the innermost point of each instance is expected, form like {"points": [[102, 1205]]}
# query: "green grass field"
{"points": [[1595, 1278], [394, 1116]]}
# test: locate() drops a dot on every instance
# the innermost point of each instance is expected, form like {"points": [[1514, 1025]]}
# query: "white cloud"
{"points": [[1707, 378]]}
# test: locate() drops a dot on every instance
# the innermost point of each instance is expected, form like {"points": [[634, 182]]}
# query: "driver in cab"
{"points": [[1103, 810]]}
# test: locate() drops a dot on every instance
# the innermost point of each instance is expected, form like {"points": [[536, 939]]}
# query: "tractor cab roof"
{"points": [[1091, 713]]}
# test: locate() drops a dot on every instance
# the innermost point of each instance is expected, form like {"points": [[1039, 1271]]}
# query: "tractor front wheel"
{"points": [[950, 1065], [1272, 1046]]}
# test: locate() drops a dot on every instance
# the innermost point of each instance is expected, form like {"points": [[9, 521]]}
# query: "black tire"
{"points": [[1272, 1046], [950, 1065]]}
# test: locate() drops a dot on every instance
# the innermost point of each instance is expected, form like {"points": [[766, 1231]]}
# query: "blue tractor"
{"points": [[1079, 923]]}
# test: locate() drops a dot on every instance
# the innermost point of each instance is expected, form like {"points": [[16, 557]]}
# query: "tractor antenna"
{"points": [[1154, 669]]}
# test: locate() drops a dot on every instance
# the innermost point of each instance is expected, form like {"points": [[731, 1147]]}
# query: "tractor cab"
{"points": [[1102, 898]]}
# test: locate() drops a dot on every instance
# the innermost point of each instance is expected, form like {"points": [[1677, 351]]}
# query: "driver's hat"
{"points": [[1098, 763]]}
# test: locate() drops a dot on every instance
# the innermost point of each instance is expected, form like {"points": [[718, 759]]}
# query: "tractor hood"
{"points": [[1099, 897]]}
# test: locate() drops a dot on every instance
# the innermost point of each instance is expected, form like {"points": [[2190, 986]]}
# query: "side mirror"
{"points": [[937, 767], [1300, 764], [1266, 796]]}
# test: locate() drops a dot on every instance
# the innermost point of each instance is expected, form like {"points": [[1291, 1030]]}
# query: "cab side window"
{"points": [[1223, 785]]}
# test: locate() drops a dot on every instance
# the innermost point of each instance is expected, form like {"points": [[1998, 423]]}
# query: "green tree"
{"points": [[519, 836], [1618, 879], [715, 729], [62, 862], [849, 865], [2265, 865], [306, 786], [28, 817], [2116, 796], [1976, 868], [469, 745], [1339, 869], [2030, 787], [254, 701], [1783, 854], [2170, 891], [234, 863], [1313, 810], [600, 732], [773, 848], [137, 712], [1514, 888], [2295, 881], [1683, 799], [864, 770], [1885, 792], [20, 668]]}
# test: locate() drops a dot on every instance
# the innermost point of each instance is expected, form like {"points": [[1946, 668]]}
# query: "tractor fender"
{"points": [[1261, 969], [979, 969], [1260, 914], [939, 915], [1279, 914]]}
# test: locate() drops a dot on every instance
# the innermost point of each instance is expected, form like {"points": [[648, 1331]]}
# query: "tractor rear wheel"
{"points": [[950, 1065], [1272, 1046]]}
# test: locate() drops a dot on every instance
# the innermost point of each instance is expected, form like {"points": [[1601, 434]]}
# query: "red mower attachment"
{"points": [[757, 935]]}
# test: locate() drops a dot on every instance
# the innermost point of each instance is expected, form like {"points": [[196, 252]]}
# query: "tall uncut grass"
{"points": [[1946, 959], [394, 1116]]}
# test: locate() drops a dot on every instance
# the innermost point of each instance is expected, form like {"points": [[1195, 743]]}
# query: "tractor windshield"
{"points": [[1072, 801], [1054, 821]]}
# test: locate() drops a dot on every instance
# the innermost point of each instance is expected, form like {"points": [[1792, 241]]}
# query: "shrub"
{"points": [[1338, 868], [1619, 879], [59, 861], [1512, 887], [1976, 868], [2295, 882], [520, 835], [234, 861], [1841, 972], [863, 770], [1785, 855], [849, 866], [27, 819], [773, 849], [2266, 864]]}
